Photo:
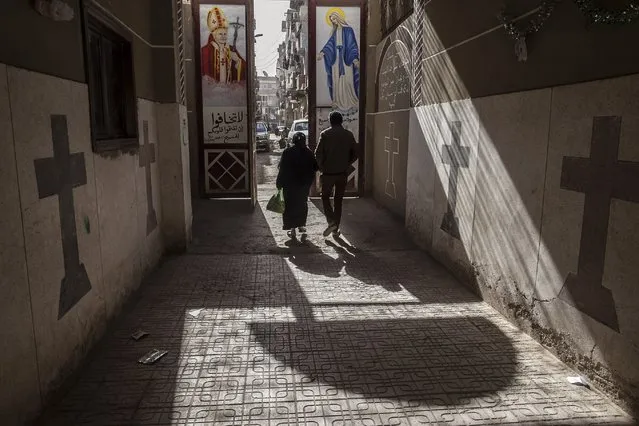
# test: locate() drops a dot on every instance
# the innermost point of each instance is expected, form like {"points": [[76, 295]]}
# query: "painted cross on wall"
{"points": [[58, 176], [457, 157], [601, 177], [391, 147]]}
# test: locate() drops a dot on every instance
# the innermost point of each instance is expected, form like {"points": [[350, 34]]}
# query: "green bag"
{"points": [[276, 203]]}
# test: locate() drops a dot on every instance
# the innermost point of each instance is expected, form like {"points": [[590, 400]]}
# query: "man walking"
{"points": [[336, 151]]}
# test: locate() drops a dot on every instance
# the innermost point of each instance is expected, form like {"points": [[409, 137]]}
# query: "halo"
{"points": [[332, 10]]}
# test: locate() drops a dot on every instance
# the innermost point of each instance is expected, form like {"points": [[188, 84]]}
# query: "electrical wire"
{"points": [[268, 57], [270, 64]]}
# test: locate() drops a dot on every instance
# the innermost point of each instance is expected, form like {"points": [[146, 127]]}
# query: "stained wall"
{"points": [[522, 177], [78, 238]]}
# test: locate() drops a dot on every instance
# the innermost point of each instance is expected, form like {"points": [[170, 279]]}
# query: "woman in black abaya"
{"points": [[295, 177]]}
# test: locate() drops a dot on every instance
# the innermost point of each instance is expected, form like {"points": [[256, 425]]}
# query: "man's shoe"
{"points": [[302, 230], [331, 228], [337, 234], [291, 234]]}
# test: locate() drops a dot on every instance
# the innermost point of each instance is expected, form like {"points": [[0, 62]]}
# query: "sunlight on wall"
{"points": [[500, 240]]}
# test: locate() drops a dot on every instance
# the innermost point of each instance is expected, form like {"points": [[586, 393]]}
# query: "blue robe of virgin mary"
{"points": [[345, 54]]}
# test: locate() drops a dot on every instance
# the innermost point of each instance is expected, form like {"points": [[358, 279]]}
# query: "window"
{"points": [[261, 127], [112, 98]]}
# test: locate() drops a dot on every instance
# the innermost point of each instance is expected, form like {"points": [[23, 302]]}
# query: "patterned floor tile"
{"points": [[371, 332]]}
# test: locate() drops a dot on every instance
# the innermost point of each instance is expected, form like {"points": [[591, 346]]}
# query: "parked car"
{"points": [[262, 142], [299, 126]]}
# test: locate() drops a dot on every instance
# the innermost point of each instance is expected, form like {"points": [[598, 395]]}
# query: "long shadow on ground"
{"points": [[312, 334]]}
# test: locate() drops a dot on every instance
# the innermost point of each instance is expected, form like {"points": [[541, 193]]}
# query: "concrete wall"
{"points": [[387, 119], [565, 51], [113, 237], [192, 74], [59, 45], [499, 184], [150, 24], [45, 37]]}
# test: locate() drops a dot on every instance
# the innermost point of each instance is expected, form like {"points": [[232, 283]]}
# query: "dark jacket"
{"points": [[297, 167], [336, 150]]}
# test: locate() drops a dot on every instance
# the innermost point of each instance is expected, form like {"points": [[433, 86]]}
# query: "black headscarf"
{"points": [[297, 165]]}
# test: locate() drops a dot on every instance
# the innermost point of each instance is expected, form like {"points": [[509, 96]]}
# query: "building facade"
{"points": [[267, 100], [292, 64]]}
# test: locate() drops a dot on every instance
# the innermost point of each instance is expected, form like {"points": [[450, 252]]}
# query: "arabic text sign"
{"points": [[351, 121], [224, 125], [394, 79]]}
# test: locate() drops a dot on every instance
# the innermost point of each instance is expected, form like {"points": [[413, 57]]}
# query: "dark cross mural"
{"points": [[456, 156], [58, 176], [148, 157], [601, 177], [391, 146]]}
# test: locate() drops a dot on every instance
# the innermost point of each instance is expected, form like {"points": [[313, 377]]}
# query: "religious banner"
{"points": [[224, 73], [338, 88], [338, 58]]}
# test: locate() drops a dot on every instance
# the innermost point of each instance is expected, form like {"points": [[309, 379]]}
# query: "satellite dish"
{"points": [[265, 73]]}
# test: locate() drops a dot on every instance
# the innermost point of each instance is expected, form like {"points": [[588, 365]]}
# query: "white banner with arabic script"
{"points": [[225, 125], [351, 121]]}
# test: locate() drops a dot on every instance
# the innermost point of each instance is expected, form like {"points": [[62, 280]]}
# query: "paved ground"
{"points": [[368, 331]]}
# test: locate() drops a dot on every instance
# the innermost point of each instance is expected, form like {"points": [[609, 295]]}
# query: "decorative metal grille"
{"points": [[226, 170], [181, 72], [419, 55]]}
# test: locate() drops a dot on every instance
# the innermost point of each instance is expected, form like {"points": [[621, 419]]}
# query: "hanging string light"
{"points": [[535, 24], [598, 15]]}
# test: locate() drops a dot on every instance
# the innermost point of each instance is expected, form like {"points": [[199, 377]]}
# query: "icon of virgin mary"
{"points": [[341, 60]]}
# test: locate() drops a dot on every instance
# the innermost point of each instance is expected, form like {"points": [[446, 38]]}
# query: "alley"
{"points": [[488, 270], [367, 331]]}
